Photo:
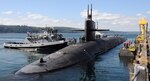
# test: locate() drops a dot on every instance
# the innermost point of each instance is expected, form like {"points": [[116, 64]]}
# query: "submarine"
{"points": [[76, 53]]}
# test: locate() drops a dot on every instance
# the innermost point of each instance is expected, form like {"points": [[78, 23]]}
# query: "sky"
{"points": [[117, 15]]}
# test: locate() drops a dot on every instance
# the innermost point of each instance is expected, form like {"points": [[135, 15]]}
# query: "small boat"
{"points": [[46, 42], [128, 50]]}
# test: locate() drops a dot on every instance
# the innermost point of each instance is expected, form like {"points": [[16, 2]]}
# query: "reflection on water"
{"points": [[127, 61], [89, 74], [107, 67]]}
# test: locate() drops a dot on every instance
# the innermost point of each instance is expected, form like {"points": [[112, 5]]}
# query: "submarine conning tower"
{"points": [[89, 26]]}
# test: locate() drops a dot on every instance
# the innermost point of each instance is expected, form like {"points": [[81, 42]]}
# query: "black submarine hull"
{"points": [[71, 55]]}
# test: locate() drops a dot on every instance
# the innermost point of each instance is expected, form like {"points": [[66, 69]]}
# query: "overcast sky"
{"points": [[118, 15]]}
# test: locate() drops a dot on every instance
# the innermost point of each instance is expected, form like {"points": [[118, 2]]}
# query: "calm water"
{"points": [[106, 67]]}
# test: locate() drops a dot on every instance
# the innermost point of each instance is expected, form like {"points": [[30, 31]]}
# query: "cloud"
{"points": [[35, 16], [35, 19], [138, 14], [120, 22], [115, 19], [101, 16], [148, 12], [112, 21], [7, 12]]}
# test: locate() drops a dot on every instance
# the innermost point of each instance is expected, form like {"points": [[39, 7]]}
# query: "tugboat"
{"points": [[46, 42]]}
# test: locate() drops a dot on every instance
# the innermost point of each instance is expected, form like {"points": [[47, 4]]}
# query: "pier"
{"points": [[139, 70]]}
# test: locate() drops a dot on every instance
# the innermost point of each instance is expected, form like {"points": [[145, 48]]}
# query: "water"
{"points": [[106, 67]]}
